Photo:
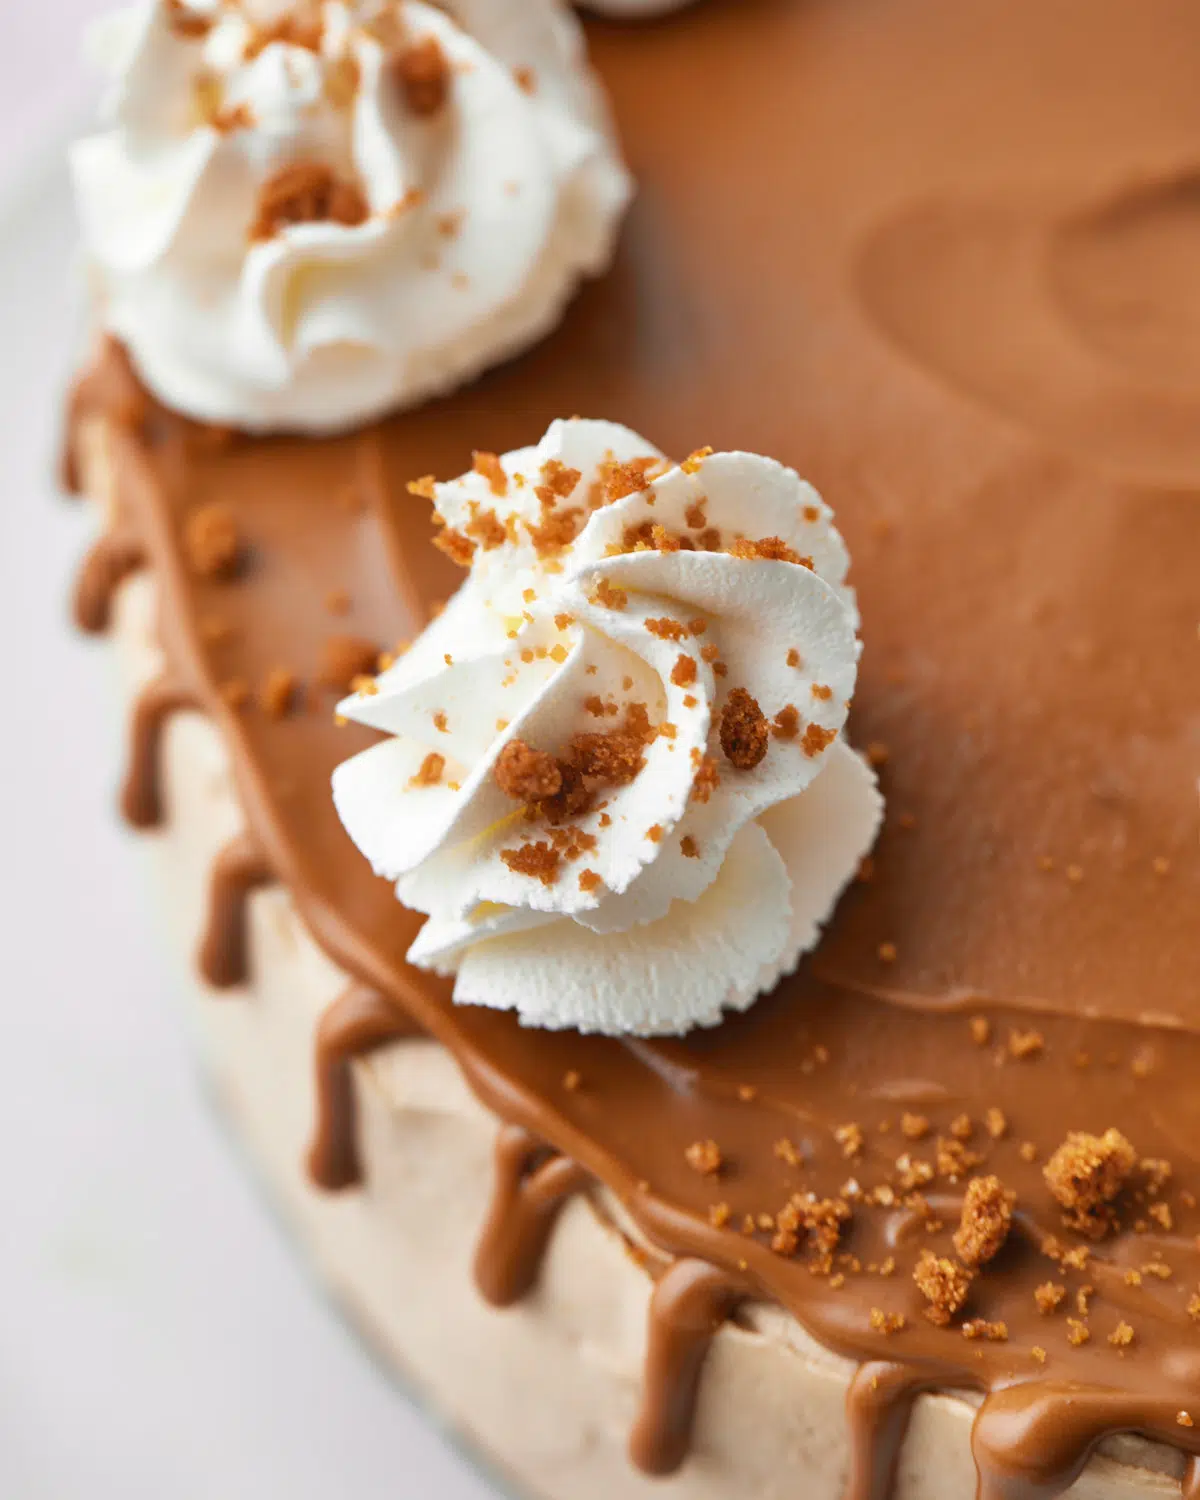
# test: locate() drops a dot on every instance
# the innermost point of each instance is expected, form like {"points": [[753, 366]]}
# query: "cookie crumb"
{"points": [[423, 72], [278, 692], [986, 1218], [538, 861], [704, 1157], [1024, 1044], [1086, 1174], [982, 1328], [744, 732], [306, 192], [683, 673], [887, 1323], [525, 774], [212, 542], [430, 773], [944, 1284]]}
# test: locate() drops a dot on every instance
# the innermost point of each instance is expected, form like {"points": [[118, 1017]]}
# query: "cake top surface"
{"points": [[961, 309]]}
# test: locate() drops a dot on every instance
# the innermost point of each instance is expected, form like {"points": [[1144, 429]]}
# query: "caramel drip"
{"points": [[141, 792], [358, 1022], [113, 557], [528, 1194], [879, 1404], [689, 1303], [1031, 1442], [240, 868]]}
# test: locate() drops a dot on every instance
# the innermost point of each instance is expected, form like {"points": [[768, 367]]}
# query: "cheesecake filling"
{"points": [[300, 216], [615, 778]]}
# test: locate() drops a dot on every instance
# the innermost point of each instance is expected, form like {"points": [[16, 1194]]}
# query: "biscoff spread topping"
{"points": [[630, 790]]}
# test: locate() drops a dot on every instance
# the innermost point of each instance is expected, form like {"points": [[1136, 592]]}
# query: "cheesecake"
{"points": [[916, 1216]]}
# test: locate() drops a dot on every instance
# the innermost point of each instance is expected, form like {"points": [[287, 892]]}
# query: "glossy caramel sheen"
{"points": [[942, 258]]}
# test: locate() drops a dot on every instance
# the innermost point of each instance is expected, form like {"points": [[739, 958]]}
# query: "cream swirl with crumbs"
{"points": [[615, 777]]}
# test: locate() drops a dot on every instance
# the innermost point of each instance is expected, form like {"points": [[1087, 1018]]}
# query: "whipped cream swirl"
{"points": [[616, 781], [303, 215]]}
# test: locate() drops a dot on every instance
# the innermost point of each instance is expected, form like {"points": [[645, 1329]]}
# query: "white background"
{"points": [[159, 1340]]}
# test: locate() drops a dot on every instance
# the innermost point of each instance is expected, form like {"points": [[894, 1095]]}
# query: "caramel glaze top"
{"points": [[942, 259]]}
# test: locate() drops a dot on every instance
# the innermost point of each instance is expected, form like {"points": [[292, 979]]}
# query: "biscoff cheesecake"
{"points": [[824, 1117]]}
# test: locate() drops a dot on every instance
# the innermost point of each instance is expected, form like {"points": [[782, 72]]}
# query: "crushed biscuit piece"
{"points": [[981, 1030], [719, 1215], [693, 462], [277, 692], [816, 740], [1121, 1336], [306, 192], [986, 1217], [525, 774], [819, 690], [996, 1123], [1184, 1419], [887, 1323], [915, 1127], [489, 466], [706, 779], [1023, 1044], [460, 549], [954, 1159], [688, 847], [486, 528], [667, 629], [430, 773], [539, 861], [620, 480], [424, 488], [557, 483], [589, 881], [850, 1138], [983, 1328], [212, 543], [554, 533], [704, 1157], [743, 730], [962, 1127], [1049, 1296], [786, 725], [768, 549], [943, 1284], [1086, 1174], [1078, 1333], [609, 597], [422, 71], [683, 673]]}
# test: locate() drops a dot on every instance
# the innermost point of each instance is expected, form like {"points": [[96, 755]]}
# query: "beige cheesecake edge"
{"points": [[547, 1391]]}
